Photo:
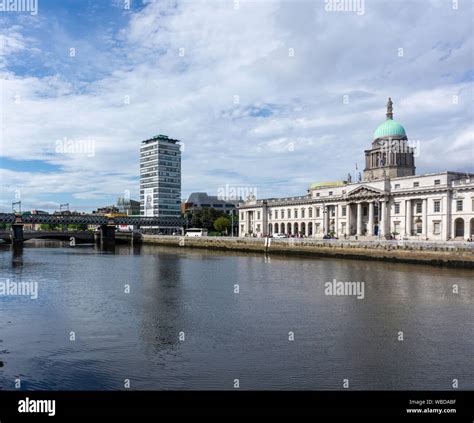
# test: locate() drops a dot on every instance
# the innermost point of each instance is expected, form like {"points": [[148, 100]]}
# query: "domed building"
{"points": [[390, 155], [389, 202]]}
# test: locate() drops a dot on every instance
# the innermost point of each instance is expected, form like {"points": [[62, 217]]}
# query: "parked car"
{"points": [[280, 236]]}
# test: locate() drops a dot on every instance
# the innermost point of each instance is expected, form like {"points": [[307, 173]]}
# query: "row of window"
{"points": [[396, 186], [160, 191], [436, 206], [331, 193], [418, 229], [416, 184], [280, 214]]}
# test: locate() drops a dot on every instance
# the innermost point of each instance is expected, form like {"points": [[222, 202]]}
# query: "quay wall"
{"points": [[450, 253]]}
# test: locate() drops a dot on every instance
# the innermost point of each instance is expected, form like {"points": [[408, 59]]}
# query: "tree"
{"points": [[196, 221], [77, 227], [205, 218], [48, 227], [222, 224]]}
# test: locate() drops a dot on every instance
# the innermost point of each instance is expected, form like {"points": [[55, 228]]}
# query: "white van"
{"points": [[196, 232]]}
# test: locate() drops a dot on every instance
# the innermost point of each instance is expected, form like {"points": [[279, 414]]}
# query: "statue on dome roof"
{"points": [[389, 108]]}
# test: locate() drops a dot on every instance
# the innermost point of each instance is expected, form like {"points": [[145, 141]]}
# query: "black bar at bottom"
{"points": [[454, 405]]}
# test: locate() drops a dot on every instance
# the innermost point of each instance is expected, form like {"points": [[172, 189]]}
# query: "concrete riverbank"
{"points": [[451, 253]]}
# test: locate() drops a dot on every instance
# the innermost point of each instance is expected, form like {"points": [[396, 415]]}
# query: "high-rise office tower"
{"points": [[160, 177]]}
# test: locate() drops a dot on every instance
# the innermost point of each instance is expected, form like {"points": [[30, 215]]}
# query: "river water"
{"points": [[165, 318]]}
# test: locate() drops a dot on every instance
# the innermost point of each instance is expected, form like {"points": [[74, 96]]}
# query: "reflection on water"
{"points": [[171, 319], [17, 254]]}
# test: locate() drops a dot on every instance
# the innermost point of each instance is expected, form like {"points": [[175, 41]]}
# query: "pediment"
{"points": [[365, 191]]}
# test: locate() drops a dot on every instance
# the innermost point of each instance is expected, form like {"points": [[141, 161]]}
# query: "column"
{"points": [[425, 217], [265, 220], [383, 218], [446, 212], [408, 217], [349, 218], [359, 219], [326, 219], [370, 228], [336, 220]]}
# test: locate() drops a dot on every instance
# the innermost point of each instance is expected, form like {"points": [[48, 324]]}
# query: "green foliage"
{"points": [[222, 224], [72, 227], [205, 218], [48, 227], [77, 227]]}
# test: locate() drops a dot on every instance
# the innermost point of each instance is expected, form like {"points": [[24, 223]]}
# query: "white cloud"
{"points": [[244, 53]]}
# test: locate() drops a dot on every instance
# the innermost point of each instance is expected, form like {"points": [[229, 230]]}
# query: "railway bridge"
{"points": [[106, 225]]}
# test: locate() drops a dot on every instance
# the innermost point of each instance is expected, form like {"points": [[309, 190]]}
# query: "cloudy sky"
{"points": [[268, 95]]}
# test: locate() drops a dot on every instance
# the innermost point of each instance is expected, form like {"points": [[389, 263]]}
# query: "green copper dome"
{"points": [[389, 128]]}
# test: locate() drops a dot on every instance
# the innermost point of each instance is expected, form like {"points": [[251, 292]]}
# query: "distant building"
{"points": [[39, 212], [106, 210], [128, 206], [68, 213], [34, 226], [201, 200], [160, 177]]}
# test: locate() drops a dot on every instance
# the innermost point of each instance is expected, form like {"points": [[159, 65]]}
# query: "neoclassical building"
{"points": [[390, 200]]}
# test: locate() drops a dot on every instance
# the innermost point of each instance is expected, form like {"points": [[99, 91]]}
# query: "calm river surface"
{"points": [[229, 335]]}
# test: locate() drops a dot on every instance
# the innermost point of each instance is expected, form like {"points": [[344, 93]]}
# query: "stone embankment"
{"points": [[450, 253]]}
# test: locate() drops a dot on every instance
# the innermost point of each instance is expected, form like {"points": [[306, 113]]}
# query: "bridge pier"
{"points": [[107, 235], [17, 233], [136, 237]]}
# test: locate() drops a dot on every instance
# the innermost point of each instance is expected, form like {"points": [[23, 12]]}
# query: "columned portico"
{"points": [[365, 199]]}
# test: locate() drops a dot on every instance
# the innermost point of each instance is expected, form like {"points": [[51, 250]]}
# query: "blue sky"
{"points": [[265, 95]]}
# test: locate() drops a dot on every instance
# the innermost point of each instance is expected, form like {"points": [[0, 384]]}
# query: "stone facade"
{"points": [[390, 202]]}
